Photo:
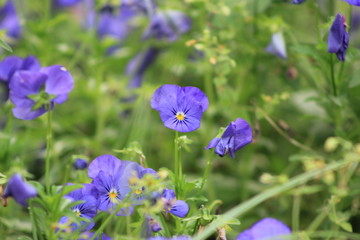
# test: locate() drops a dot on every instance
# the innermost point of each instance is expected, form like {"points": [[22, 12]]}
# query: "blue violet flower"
{"points": [[338, 40], [267, 228], [180, 108], [35, 92], [236, 135], [19, 190]]}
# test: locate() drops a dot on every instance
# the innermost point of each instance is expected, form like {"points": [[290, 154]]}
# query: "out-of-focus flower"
{"points": [[19, 190], [146, 6], [34, 93], [89, 235], [112, 177], [338, 40], [9, 20], [66, 3], [277, 45], [236, 135], [353, 2], [267, 228], [82, 11], [297, 1], [176, 207], [168, 25], [87, 209], [115, 21], [11, 64], [154, 225], [180, 108], [138, 65], [80, 164]]}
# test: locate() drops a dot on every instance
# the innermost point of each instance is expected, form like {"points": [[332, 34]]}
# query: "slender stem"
{"points": [[317, 221], [165, 226], [282, 133], [209, 85], [206, 173], [48, 149], [128, 224], [332, 72], [33, 221], [296, 212], [178, 167]]}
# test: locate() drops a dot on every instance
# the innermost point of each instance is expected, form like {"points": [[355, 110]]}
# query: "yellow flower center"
{"points": [[112, 195], [138, 191], [77, 212], [180, 116]]}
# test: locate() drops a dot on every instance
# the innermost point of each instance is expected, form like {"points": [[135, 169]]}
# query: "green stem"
{"points": [[209, 85], [296, 212], [165, 226], [206, 173], [332, 73], [272, 192], [128, 224], [48, 149], [178, 166], [33, 221]]}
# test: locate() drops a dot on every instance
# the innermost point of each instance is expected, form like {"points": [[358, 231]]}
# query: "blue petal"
{"points": [[59, 80], [277, 45], [19, 190], [353, 2], [213, 143], [180, 208], [265, 228], [106, 163]]}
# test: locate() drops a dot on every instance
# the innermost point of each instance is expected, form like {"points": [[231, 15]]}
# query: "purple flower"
{"points": [[19, 190], [265, 229], [11, 64], [89, 235], [87, 209], [176, 207], [111, 177], [154, 225], [338, 39], [168, 25], [80, 164], [9, 20], [277, 45], [236, 135], [66, 3], [33, 92], [147, 6], [180, 108], [353, 2], [297, 1], [138, 65], [115, 22]]}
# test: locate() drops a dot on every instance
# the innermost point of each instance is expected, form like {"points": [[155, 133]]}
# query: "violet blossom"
{"points": [[236, 135]]}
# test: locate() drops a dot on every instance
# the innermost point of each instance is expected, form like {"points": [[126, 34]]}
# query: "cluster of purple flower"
{"points": [[34, 90], [181, 109], [116, 22], [116, 188]]}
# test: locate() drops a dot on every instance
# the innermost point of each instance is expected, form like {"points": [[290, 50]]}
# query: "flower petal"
{"points": [[180, 209], [59, 80]]}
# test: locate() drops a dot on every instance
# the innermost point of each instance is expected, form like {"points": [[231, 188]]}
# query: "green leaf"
{"points": [[5, 46], [346, 226], [254, 201]]}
